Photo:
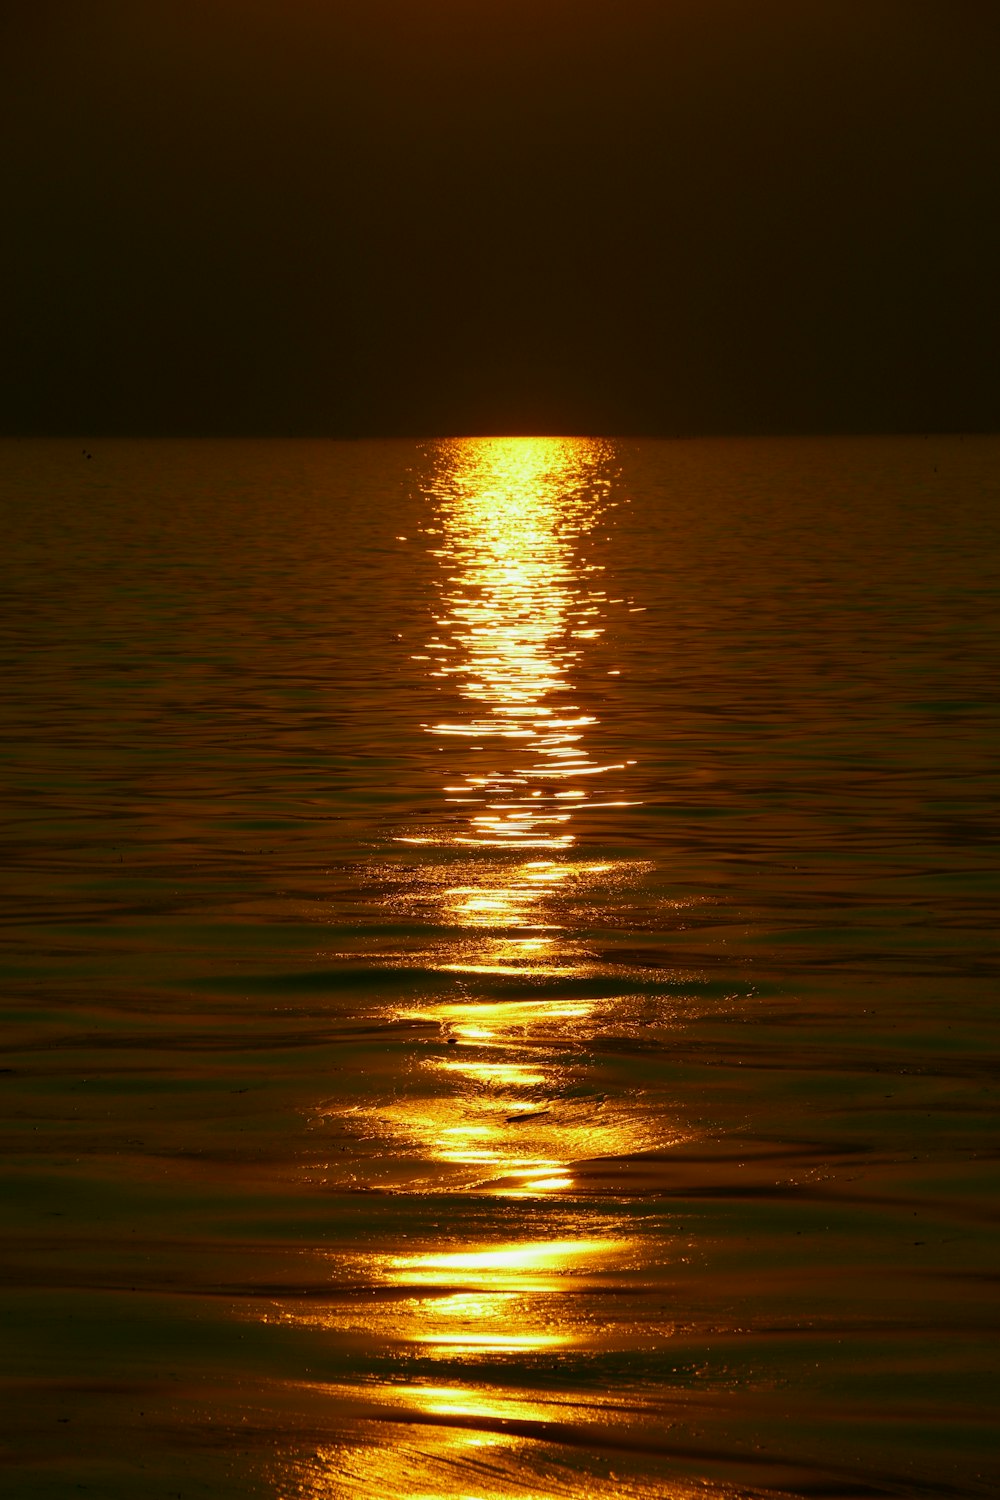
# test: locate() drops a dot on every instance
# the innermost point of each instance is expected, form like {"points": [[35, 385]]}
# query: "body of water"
{"points": [[500, 969]]}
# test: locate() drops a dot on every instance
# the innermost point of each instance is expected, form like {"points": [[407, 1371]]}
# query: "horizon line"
{"points": [[96, 435]]}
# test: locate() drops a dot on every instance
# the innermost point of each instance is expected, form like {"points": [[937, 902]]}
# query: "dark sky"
{"points": [[429, 216]]}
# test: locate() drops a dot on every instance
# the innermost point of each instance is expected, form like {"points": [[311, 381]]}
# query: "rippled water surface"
{"points": [[500, 969]]}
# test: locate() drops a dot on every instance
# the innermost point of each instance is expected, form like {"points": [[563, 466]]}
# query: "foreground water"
{"points": [[500, 967]]}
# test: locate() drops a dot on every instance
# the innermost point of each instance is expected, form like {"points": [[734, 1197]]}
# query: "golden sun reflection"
{"points": [[464, 1322], [522, 612], [481, 1302], [519, 609], [480, 1325], [526, 1258]]}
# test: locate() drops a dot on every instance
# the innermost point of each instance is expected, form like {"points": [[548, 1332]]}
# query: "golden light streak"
{"points": [[521, 610]]}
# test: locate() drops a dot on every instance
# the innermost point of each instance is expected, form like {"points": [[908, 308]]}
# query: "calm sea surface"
{"points": [[500, 957]]}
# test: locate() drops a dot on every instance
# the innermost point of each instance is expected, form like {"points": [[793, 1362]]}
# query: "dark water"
{"points": [[499, 969]]}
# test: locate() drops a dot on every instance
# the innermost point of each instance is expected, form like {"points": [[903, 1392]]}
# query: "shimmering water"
{"points": [[500, 961]]}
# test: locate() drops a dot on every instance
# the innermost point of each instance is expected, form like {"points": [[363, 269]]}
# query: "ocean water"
{"points": [[499, 969]]}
